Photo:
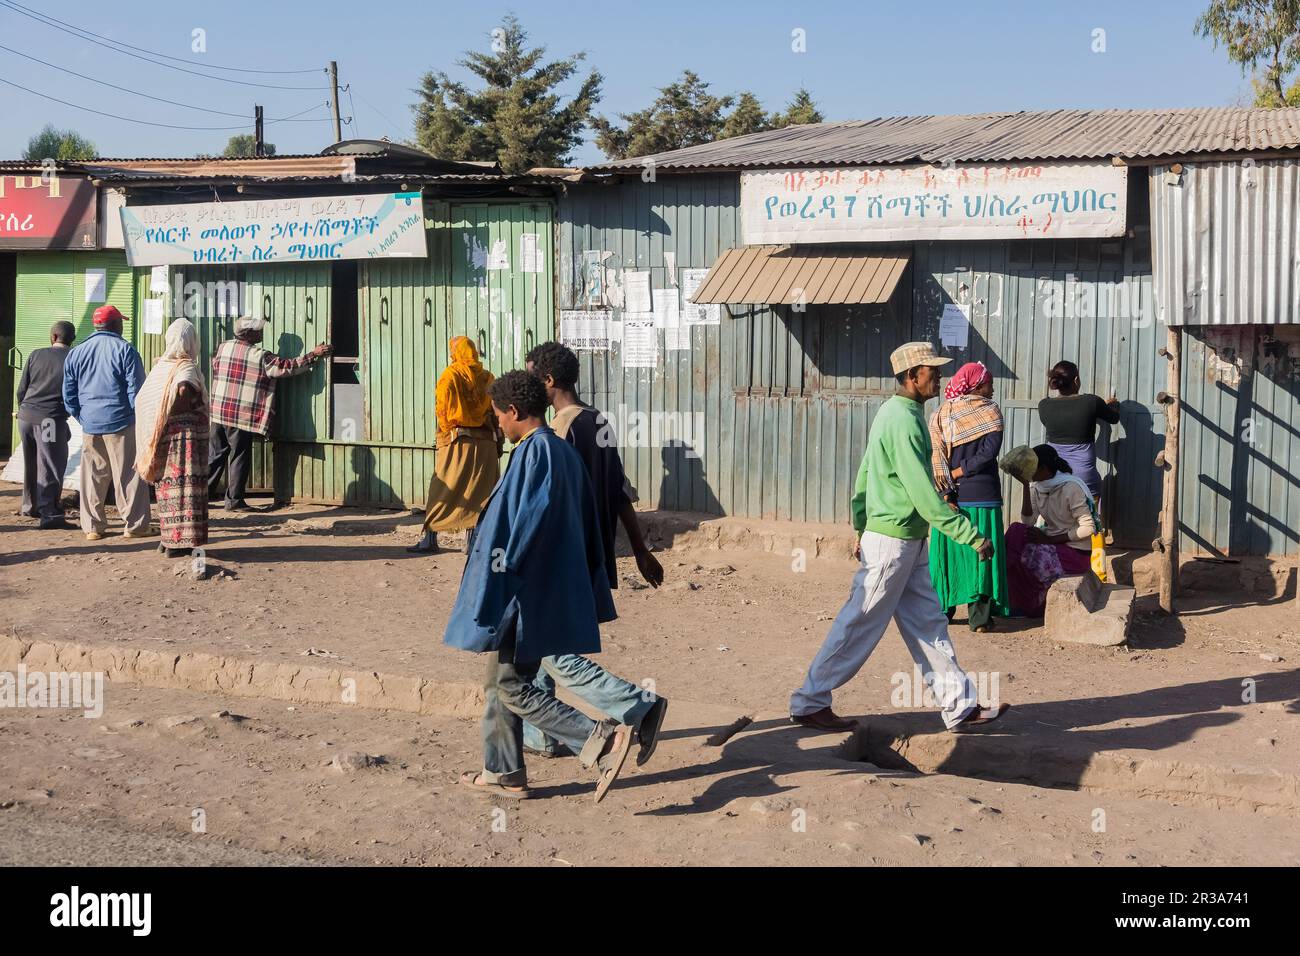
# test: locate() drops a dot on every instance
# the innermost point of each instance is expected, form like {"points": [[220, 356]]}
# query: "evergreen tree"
{"points": [[685, 114], [748, 117], [63, 144], [801, 110], [516, 118]]}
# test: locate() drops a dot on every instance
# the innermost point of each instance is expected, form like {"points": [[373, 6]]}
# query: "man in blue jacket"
{"points": [[100, 380], [534, 585]]}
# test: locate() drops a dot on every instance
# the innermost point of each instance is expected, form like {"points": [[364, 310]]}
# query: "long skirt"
{"points": [[1032, 568], [960, 577], [464, 475], [183, 488]]}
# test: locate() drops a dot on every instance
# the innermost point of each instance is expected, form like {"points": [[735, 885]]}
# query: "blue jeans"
{"points": [[611, 695], [513, 696]]}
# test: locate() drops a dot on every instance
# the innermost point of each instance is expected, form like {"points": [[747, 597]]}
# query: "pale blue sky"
{"points": [[864, 59]]}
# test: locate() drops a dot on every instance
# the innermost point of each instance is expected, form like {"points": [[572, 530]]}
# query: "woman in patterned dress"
{"points": [[172, 438]]}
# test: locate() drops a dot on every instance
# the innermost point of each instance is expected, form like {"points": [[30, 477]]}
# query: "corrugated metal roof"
{"points": [[993, 137], [792, 275], [278, 167]]}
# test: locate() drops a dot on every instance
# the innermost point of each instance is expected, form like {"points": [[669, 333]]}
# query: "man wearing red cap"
{"points": [[100, 380]]}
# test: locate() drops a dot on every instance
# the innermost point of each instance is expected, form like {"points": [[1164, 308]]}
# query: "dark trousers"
{"points": [[45, 458], [223, 441]]}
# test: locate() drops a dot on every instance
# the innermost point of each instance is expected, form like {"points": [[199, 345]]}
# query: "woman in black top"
{"points": [[1071, 422]]}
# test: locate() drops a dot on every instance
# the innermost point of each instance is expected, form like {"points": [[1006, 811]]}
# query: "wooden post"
{"points": [[1168, 459], [333, 71]]}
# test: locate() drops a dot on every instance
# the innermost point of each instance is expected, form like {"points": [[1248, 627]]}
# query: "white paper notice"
{"points": [[153, 316], [640, 341], [530, 253], [158, 280], [636, 292], [667, 313], [96, 285], [693, 314], [585, 331], [954, 326], [499, 257]]}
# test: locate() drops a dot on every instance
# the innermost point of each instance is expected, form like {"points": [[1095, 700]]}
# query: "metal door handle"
{"points": [[15, 358], [528, 339], [383, 309], [482, 345], [266, 306], [428, 312], [311, 310]]}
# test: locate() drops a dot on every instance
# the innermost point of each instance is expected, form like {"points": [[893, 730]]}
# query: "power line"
{"points": [[19, 8], [114, 86], [391, 125], [128, 119], [86, 35]]}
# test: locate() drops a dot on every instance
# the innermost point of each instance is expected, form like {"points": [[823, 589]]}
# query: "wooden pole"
{"points": [[1168, 458], [334, 100], [259, 145]]}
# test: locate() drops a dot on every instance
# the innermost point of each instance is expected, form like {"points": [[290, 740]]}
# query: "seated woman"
{"points": [[1054, 536]]}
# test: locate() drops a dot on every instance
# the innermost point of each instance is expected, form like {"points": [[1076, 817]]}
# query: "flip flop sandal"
{"points": [[981, 715], [470, 779], [648, 732], [612, 762]]}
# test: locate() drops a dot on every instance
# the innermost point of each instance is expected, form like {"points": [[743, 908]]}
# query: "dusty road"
{"points": [[729, 636]]}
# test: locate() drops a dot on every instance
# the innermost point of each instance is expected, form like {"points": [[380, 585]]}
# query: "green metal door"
{"points": [[294, 298]]}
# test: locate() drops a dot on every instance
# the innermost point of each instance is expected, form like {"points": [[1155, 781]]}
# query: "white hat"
{"points": [[249, 323]]}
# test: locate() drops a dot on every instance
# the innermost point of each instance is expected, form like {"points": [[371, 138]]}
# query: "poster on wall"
{"points": [[375, 226], [1065, 200], [693, 314], [585, 330], [640, 340], [48, 212]]}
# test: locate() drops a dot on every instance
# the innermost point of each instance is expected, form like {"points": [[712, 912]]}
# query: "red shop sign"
{"points": [[54, 212]]}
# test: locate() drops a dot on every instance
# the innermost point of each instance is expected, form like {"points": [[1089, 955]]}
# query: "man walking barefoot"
{"points": [[894, 505]]}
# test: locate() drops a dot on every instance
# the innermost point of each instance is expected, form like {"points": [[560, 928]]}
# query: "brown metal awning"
{"points": [[775, 275]]}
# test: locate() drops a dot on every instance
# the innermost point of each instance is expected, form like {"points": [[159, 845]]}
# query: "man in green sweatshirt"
{"points": [[894, 506]]}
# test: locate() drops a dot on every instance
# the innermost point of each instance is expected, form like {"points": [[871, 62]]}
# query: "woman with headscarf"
{"points": [[1071, 422], [468, 447], [1055, 535], [965, 438], [171, 435]]}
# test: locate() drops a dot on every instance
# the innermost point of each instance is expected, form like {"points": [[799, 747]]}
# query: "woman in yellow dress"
{"points": [[468, 447]]}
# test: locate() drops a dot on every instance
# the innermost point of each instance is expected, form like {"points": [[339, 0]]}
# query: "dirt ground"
{"points": [[729, 636]]}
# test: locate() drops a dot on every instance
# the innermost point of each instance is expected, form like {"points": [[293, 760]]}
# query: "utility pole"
{"points": [[1167, 459], [334, 100], [259, 150]]}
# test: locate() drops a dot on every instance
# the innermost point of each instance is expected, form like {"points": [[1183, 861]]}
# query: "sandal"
{"points": [[648, 733], [980, 715], [470, 778], [611, 761]]}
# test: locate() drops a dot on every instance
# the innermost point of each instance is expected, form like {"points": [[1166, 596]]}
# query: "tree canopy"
{"points": [[63, 144], [1263, 36]]}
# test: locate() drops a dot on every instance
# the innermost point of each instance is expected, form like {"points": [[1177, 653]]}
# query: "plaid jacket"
{"points": [[243, 384]]}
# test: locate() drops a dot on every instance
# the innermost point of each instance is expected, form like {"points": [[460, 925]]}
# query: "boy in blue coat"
{"points": [[534, 586]]}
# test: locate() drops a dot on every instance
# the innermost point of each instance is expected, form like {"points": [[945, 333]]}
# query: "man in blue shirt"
{"points": [[100, 380]]}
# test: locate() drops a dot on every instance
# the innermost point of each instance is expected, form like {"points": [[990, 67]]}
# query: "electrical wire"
{"points": [[86, 35], [128, 119], [19, 8], [114, 86]]}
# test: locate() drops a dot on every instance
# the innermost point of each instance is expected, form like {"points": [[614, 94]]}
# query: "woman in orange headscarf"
{"points": [[469, 448]]}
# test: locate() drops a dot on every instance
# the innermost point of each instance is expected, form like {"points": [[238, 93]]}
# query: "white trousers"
{"points": [[893, 582], [111, 458]]}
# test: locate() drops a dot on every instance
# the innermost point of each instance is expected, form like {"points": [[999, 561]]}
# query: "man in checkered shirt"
{"points": [[243, 387]]}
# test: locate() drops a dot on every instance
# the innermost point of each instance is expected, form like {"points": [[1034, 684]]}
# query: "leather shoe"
{"points": [[824, 719]]}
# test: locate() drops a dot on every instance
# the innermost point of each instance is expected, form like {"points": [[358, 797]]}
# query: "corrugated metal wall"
{"points": [[408, 309], [786, 398], [1227, 242]]}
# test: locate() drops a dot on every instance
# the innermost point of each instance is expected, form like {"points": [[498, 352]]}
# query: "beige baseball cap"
{"points": [[249, 323], [913, 354]]}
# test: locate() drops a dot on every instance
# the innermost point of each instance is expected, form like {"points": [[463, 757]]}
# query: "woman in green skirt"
{"points": [[965, 438]]}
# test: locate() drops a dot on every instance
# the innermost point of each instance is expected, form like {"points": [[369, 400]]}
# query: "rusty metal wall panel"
{"points": [[1227, 242]]}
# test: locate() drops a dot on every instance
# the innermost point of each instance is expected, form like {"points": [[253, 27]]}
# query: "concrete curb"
{"points": [[1014, 759], [214, 673]]}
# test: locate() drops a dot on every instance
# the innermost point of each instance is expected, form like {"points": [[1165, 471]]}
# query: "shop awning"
{"points": [[774, 275]]}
